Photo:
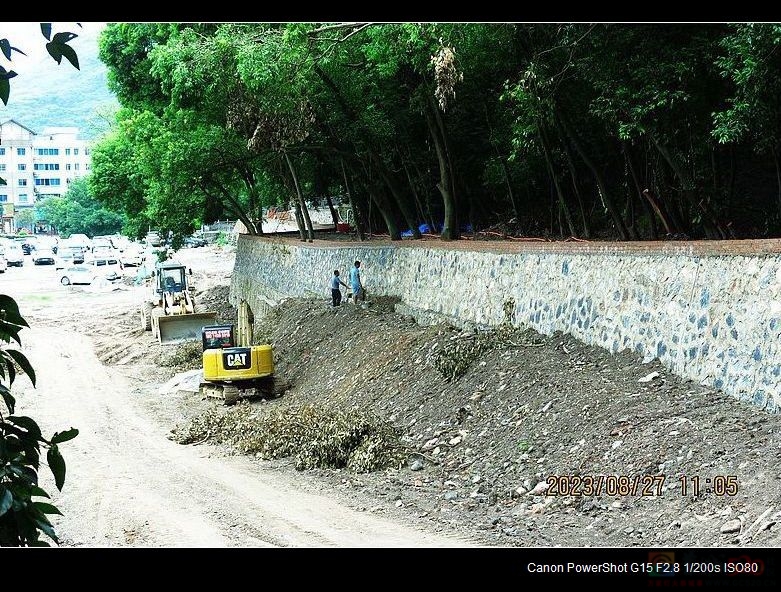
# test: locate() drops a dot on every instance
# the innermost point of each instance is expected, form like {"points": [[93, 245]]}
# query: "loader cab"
{"points": [[171, 278]]}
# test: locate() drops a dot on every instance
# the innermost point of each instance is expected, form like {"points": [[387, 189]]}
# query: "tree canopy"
{"points": [[619, 131], [78, 212]]}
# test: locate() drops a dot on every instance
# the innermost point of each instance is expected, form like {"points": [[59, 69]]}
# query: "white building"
{"points": [[37, 165]]}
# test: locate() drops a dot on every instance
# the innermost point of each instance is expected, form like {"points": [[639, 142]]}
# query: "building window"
{"points": [[3, 197], [22, 182], [47, 182], [2, 167], [21, 166], [87, 167], [76, 167], [67, 152], [22, 198], [46, 166], [2, 151], [68, 167], [47, 151], [75, 152], [20, 151], [86, 152]]}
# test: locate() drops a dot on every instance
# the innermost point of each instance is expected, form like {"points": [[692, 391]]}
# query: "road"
{"points": [[127, 484]]}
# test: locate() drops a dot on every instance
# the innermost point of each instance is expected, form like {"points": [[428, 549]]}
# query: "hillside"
{"points": [[47, 94]]}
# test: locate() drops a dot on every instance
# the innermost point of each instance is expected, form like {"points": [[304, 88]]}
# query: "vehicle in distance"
{"points": [[194, 241], [71, 253], [108, 267], [13, 253], [131, 257], [83, 274], [153, 239], [43, 257], [27, 243]]}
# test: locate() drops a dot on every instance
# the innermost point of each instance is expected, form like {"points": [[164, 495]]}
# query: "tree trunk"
{"points": [[235, 206], [778, 177], [607, 201], [710, 225], [552, 172], [378, 198], [649, 212], [415, 196], [381, 200], [428, 215], [388, 177], [445, 185], [503, 162], [575, 185], [353, 205], [253, 202], [300, 220], [303, 210]]}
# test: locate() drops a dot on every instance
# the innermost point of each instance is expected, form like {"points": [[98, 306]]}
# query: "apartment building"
{"points": [[37, 165]]}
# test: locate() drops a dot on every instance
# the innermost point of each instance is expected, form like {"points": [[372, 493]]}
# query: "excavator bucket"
{"points": [[184, 327]]}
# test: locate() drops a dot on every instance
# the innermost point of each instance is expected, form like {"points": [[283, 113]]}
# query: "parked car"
{"points": [[131, 258], [69, 253], [77, 274], [43, 256], [194, 241], [108, 267], [81, 240], [13, 254], [27, 243], [3, 264]]}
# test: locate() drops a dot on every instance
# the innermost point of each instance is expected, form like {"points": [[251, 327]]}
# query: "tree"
{"points": [[609, 131], [22, 518], [25, 218], [79, 212]]}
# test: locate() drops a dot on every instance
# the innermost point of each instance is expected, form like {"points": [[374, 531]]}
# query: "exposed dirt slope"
{"points": [[527, 408], [532, 407]]}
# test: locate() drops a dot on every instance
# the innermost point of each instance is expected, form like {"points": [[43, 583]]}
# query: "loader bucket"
{"points": [[185, 327]]}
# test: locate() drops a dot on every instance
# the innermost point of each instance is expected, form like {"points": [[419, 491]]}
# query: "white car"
{"points": [[77, 274], [13, 253], [43, 256], [131, 257]]}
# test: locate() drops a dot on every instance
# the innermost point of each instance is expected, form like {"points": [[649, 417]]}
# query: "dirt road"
{"points": [[127, 483]]}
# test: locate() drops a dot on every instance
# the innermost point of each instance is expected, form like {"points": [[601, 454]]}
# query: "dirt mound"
{"points": [[536, 440], [518, 438]]}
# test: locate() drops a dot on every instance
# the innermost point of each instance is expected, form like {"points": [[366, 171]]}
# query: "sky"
{"points": [[28, 38]]}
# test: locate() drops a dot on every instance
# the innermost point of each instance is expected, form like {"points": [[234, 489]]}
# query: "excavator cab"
{"points": [[231, 371]]}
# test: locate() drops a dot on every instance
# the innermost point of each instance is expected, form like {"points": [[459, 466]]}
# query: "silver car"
{"points": [[77, 274]]}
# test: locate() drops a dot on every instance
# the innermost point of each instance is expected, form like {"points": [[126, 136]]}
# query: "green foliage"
{"points": [[458, 354], [24, 218], [78, 212], [23, 518], [466, 123]]}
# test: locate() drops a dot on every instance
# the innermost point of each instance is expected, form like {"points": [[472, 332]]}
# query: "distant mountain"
{"points": [[59, 95]]}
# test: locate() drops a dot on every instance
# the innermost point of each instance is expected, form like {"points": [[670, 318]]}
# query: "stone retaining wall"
{"points": [[709, 312]]}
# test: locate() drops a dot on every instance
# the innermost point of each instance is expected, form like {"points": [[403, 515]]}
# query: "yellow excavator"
{"points": [[169, 309], [234, 369]]}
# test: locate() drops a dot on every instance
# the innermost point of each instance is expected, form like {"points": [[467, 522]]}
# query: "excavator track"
{"points": [[269, 387]]}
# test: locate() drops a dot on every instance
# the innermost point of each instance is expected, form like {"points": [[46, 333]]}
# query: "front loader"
{"points": [[169, 308]]}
